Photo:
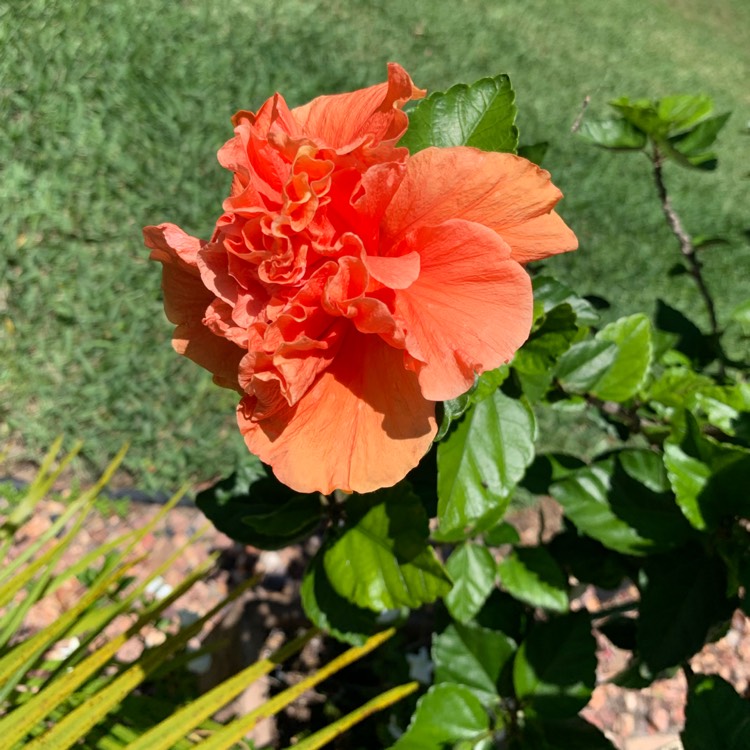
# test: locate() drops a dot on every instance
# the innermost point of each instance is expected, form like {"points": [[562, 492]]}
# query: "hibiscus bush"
{"points": [[366, 292]]}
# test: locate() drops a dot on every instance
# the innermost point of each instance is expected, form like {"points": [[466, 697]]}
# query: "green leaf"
{"points": [[550, 293], [551, 337], [503, 533], [485, 385], [472, 569], [330, 611], [253, 507], [445, 715], [606, 503], [473, 656], [532, 575], [587, 560], [692, 342], [741, 314], [534, 151], [574, 733], [691, 148], [480, 463], [584, 364], [380, 559], [554, 671], [683, 597], [616, 134], [715, 716], [626, 374], [480, 115], [709, 479], [684, 111]]}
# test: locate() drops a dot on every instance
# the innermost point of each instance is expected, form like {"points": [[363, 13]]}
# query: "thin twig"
{"points": [[687, 248], [575, 127]]}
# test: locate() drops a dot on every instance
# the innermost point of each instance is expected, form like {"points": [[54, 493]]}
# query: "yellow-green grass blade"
{"points": [[86, 499], [23, 719], [226, 736], [15, 617], [45, 478], [164, 735], [82, 719], [345, 723]]}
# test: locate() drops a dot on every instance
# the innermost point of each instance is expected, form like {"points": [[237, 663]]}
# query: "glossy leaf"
{"points": [[380, 560], [606, 503], [446, 715], [332, 612], [503, 533], [715, 716], [683, 596], [253, 507], [480, 115], [472, 569], [550, 293], [473, 656], [618, 134], [531, 575], [554, 670], [480, 463], [585, 364]]}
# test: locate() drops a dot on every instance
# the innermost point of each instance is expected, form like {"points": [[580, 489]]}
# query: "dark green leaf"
{"points": [[504, 613], [253, 507], [566, 734], [692, 342], [330, 611], [551, 293], [534, 151], [532, 575], [587, 560], [473, 656], [715, 716], [606, 503], [380, 559], [554, 670], [481, 115], [503, 533], [683, 597], [481, 461], [445, 715], [622, 631], [472, 569], [614, 134], [548, 468]]}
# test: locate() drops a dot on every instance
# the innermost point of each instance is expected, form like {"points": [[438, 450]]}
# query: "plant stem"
{"points": [[687, 248]]}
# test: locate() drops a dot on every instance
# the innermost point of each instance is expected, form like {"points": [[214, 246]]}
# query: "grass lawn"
{"points": [[112, 114]]}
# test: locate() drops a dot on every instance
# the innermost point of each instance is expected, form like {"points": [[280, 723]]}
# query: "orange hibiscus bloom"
{"points": [[348, 286]]}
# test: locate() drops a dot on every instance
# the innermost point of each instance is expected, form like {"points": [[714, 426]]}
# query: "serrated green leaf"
{"points": [[503, 533], [626, 374], [550, 293], [715, 716], [616, 134], [481, 461], [683, 596], [532, 575], [480, 115], [554, 671], [380, 560], [609, 505], [472, 569], [445, 715], [584, 364], [473, 656], [330, 611], [253, 507]]}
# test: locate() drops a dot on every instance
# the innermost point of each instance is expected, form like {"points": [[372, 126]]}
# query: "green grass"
{"points": [[112, 114]]}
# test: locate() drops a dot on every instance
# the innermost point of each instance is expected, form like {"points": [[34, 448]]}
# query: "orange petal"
{"points": [[186, 300], [501, 191], [469, 310], [343, 119], [362, 426]]}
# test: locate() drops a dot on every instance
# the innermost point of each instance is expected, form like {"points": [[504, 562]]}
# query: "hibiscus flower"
{"points": [[349, 286]]}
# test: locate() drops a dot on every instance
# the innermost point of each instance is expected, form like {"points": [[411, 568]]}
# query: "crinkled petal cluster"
{"points": [[348, 286]]}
